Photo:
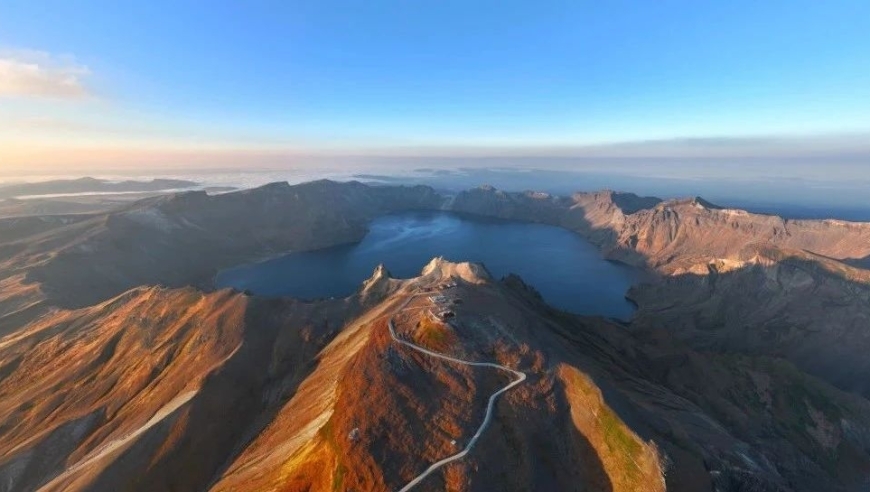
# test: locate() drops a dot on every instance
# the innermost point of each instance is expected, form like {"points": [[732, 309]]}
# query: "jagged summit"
{"points": [[704, 203], [381, 272], [693, 201], [474, 273], [379, 284], [630, 203]]}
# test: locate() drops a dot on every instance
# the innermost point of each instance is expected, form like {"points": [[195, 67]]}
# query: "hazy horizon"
{"points": [[807, 194]]}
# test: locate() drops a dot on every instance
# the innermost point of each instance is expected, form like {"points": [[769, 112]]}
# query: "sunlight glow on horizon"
{"points": [[172, 85]]}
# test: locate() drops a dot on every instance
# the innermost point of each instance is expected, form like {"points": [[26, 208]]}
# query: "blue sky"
{"points": [[376, 76]]}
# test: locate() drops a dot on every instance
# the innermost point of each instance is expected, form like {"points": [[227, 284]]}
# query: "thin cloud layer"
{"points": [[40, 75]]}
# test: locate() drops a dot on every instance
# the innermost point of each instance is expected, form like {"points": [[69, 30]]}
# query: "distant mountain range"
{"points": [[91, 185], [122, 368]]}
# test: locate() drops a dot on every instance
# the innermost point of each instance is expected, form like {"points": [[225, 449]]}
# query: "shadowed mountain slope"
{"points": [[743, 368], [729, 280], [179, 390], [183, 239], [670, 236]]}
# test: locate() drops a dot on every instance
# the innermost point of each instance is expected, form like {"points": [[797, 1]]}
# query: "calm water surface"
{"points": [[568, 271]]}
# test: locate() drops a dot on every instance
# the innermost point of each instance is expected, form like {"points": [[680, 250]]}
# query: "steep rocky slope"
{"points": [[179, 390], [808, 309], [743, 369], [183, 239], [671, 236], [152, 390], [387, 412], [729, 280]]}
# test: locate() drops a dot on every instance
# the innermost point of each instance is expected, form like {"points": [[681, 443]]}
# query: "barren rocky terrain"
{"points": [[121, 368]]}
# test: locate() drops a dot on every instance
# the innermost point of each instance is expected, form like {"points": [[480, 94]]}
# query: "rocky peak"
{"points": [[701, 203], [378, 283], [474, 273], [380, 274], [694, 202]]}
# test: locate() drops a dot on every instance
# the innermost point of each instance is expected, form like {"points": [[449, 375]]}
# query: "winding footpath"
{"points": [[521, 376]]}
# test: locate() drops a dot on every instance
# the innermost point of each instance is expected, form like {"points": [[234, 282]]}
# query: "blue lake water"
{"points": [[569, 272]]}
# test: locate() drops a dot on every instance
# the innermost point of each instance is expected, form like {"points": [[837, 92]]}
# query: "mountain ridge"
{"points": [[303, 437], [129, 374]]}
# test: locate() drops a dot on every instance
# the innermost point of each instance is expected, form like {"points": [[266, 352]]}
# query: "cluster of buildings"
{"points": [[443, 302]]}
